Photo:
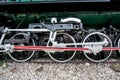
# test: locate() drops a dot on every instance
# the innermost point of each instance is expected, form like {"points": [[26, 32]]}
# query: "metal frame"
{"points": [[53, 28], [52, 38]]}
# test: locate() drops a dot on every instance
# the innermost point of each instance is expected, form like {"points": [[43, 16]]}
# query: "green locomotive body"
{"points": [[91, 12], [92, 19]]}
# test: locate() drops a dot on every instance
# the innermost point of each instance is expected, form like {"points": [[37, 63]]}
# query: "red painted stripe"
{"points": [[111, 48], [46, 48], [58, 48]]}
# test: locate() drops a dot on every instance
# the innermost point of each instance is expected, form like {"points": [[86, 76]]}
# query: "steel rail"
{"points": [[70, 62]]}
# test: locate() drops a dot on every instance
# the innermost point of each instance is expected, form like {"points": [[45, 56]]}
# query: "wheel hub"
{"points": [[93, 49], [55, 44], [96, 48]]}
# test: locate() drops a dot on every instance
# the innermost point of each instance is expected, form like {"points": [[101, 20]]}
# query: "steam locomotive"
{"points": [[60, 28]]}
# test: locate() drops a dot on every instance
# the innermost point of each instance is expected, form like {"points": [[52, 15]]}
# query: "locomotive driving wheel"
{"points": [[20, 55], [118, 44], [62, 56], [102, 55]]}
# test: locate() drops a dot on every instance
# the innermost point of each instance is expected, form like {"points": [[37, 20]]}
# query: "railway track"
{"points": [[48, 61]]}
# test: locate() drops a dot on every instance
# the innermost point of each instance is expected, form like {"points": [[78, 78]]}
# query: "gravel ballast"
{"points": [[58, 71]]}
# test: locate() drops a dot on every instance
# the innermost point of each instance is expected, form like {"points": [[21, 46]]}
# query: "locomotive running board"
{"points": [[43, 48]]}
